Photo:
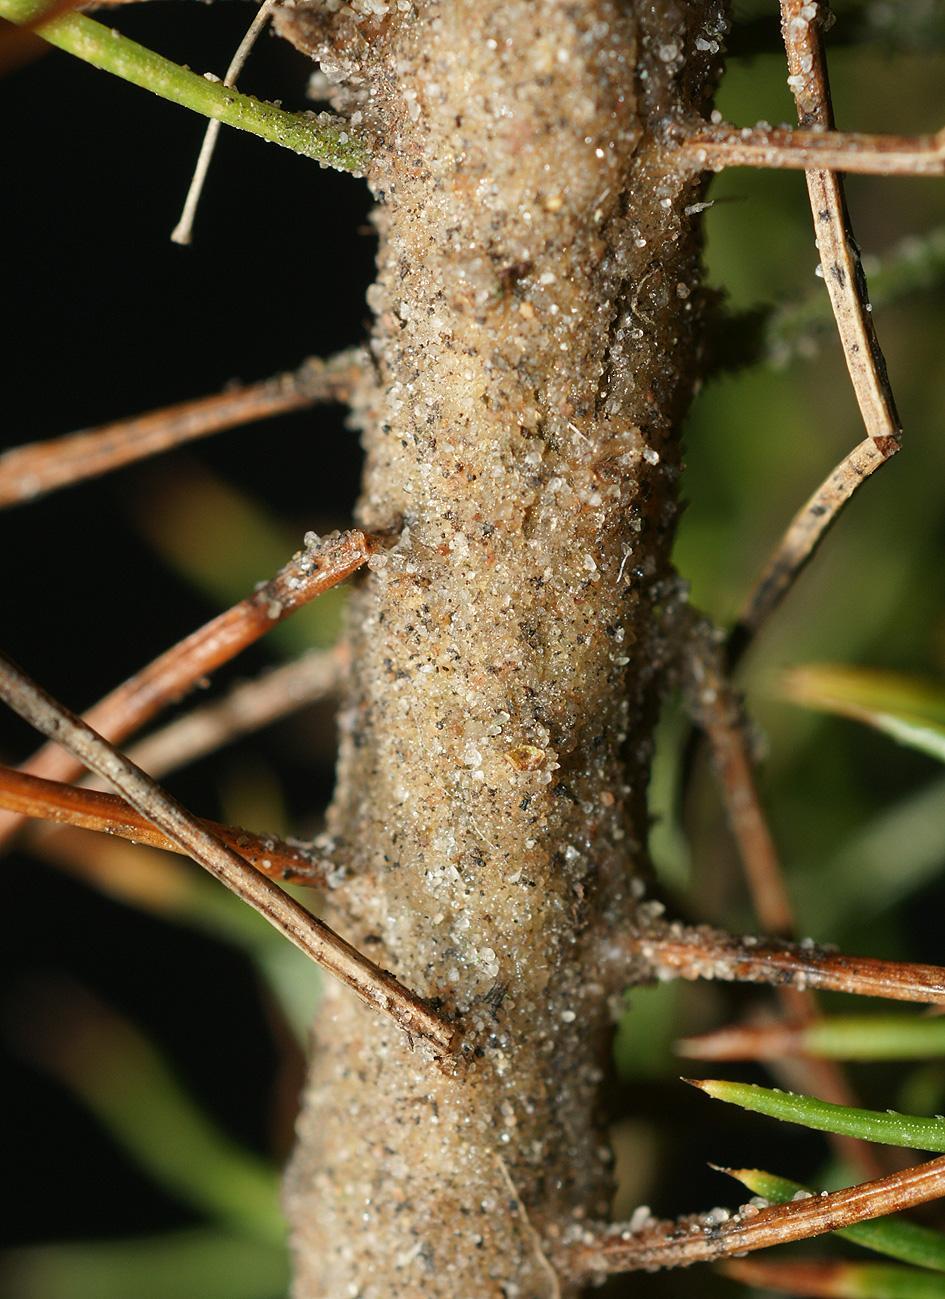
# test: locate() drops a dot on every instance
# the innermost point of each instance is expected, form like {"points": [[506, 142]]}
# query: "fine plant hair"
{"points": [[515, 620]]}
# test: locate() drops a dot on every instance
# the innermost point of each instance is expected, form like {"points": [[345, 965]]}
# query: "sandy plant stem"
{"points": [[537, 332]]}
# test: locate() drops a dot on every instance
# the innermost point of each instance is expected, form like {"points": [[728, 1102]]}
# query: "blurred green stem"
{"points": [[199, 1264], [136, 1097]]}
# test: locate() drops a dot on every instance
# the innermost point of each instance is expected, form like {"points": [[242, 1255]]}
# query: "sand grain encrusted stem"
{"points": [[537, 330]]}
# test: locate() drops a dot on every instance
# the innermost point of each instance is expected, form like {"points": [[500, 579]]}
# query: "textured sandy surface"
{"points": [[536, 329]]}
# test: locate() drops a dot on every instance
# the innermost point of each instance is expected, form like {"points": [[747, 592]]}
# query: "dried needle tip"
{"points": [[36, 468]]}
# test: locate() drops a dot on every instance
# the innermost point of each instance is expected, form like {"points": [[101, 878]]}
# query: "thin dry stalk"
{"points": [[30, 471], [804, 534], [245, 708], [717, 710], [674, 951], [703, 1238], [88, 809], [311, 571], [183, 231], [714, 148], [376, 987], [839, 255], [846, 286], [763, 1041]]}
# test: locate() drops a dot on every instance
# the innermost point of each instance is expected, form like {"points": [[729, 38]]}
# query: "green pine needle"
{"points": [[193, 1263], [136, 1097], [882, 1281], [868, 1125]]}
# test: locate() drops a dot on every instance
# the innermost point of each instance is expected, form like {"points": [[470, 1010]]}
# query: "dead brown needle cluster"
{"points": [[320, 565], [376, 987]]}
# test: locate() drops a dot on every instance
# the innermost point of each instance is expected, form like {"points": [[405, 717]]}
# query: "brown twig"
{"points": [[707, 1238], [89, 809], [674, 951], [320, 565], [846, 286], [771, 1040], [30, 471], [666, 951], [839, 255], [376, 987], [804, 534], [767, 1039], [714, 148], [247, 707], [716, 708]]}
